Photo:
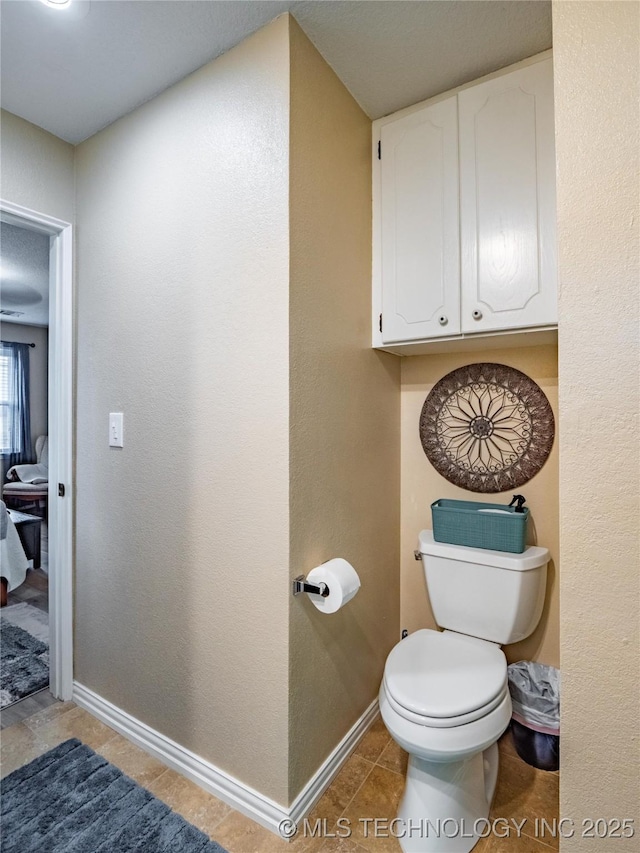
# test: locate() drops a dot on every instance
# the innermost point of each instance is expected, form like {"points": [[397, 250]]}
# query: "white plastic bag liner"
{"points": [[535, 695]]}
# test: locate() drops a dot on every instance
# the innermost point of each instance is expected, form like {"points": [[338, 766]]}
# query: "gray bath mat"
{"points": [[24, 661], [71, 800]]}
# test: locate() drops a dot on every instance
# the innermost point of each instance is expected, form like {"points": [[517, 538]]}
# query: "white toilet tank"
{"points": [[493, 595]]}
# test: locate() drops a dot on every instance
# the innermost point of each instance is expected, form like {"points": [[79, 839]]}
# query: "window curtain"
{"points": [[15, 416]]}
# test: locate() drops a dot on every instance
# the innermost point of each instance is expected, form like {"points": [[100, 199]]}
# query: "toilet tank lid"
{"points": [[531, 558]]}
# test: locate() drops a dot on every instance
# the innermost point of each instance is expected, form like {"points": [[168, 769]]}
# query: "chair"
{"points": [[29, 484]]}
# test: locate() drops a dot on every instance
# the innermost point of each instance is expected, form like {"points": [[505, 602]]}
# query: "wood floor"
{"points": [[369, 785], [34, 591], [25, 708]]}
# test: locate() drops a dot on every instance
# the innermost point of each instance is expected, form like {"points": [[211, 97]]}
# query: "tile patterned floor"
{"points": [[369, 785]]}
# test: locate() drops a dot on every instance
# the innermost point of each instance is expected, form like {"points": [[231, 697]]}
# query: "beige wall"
{"points": [[182, 578], [421, 485], [596, 57], [344, 431], [37, 168], [37, 173], [38, 371], [184, 309]]}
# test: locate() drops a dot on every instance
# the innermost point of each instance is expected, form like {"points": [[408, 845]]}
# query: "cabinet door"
{"points": [[507, 201], [420, 264]]}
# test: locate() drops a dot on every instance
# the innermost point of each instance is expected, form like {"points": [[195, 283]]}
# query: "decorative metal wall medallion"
{"points": [[487, 427]]}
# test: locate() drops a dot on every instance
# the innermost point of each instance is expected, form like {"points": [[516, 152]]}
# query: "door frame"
{"points": [[61, 437]]}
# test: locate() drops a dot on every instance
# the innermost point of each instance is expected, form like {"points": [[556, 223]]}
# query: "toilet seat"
{"points": [[444, 722], [443, 679], [455, 743]]}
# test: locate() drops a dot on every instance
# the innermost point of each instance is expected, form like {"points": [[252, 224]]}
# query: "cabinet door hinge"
{"points": [[379, 150], [380, 322]]}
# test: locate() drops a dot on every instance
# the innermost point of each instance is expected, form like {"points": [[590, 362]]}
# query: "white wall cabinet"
{"points": [[420, 223], [507, 201], [464, 212]]}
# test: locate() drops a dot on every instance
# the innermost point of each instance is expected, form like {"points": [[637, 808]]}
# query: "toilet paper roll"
{"points": [[342, 580]]}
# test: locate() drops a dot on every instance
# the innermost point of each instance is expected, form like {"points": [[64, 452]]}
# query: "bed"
{"points": [[13, 560]]}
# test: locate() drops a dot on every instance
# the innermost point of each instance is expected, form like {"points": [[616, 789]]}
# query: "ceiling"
{"points": [[74, 71], [24, 275]]}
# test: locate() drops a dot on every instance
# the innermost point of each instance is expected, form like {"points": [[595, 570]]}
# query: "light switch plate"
{"points": [[116, 429]]}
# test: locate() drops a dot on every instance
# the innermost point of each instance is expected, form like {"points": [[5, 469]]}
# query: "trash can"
{"points": [[535, 724]]}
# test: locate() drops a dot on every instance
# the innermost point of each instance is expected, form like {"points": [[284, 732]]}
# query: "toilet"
{"points": [[444, 696]]}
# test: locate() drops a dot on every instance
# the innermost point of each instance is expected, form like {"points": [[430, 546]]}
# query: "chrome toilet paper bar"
{"points": [[301, 585]]}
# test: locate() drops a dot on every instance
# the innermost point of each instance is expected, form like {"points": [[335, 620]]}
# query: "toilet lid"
{"points": [[434, 674]]}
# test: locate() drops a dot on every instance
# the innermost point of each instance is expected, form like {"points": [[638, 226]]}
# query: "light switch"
{"points": [[116, 429]]}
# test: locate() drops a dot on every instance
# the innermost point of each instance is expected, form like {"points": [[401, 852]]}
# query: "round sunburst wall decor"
{"points": [[487, 427]]}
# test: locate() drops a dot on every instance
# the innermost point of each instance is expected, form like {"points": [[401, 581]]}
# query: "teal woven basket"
{"points": [[478, 525]]}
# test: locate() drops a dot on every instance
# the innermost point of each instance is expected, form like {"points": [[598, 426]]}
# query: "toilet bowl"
{"points": [[444, 699], [444, 696]]}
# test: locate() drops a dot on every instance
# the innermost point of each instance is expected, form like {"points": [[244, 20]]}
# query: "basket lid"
{"points": [[531, 558]]}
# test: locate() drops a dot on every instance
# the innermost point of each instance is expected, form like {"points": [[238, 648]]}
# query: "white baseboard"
{"points": [[329, 769], [245, 799]]}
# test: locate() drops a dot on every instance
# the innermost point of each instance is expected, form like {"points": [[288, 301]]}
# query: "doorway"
{"points": [[54, 506]]}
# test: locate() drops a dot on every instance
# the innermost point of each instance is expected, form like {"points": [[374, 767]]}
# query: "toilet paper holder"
{"points": [[302, 585]]}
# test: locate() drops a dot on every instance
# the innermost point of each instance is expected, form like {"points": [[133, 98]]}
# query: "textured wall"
{"points": [[421, 485], [182, 581], [596, 58], [345, 443], [38, 371], [37, 168]]}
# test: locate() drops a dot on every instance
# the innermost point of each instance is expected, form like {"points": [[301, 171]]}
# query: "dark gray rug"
{"points": [[71, 800], [24, 664]]}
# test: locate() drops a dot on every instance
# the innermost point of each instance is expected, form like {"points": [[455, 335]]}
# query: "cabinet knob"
{"points": [[477, 314], [443, 320]]}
